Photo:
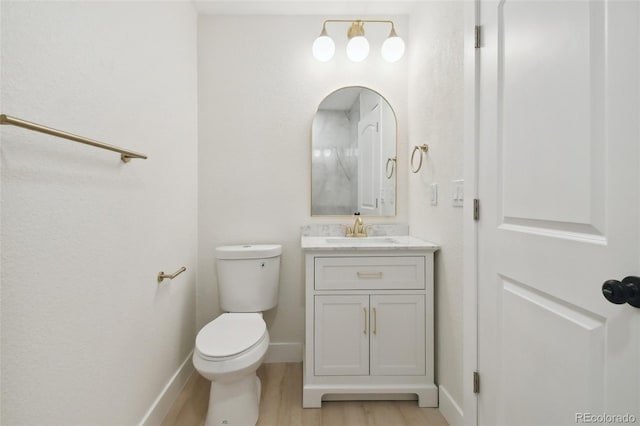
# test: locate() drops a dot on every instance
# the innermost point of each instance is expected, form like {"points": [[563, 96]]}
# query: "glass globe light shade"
{"points": [[358, 49], [323, 48], [392, 48]]}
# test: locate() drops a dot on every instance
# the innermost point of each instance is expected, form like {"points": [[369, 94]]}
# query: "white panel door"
{"points": [[341, 333], [369, 141], [397, 335], [559, 190]]}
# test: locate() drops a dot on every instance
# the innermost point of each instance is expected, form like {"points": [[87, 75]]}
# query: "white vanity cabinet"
{"points": [[369, 325]]}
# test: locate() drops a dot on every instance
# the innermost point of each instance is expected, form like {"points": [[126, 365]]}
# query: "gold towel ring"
{"points": [[420, 149], [391, 160]]}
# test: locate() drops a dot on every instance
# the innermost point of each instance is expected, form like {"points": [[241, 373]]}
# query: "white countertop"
{"points": [[406, 242]]}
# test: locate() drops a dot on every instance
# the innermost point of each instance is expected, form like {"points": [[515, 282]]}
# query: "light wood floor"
{"points": [[281, 405]]}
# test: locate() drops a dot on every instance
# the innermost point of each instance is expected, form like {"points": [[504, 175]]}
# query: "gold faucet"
{"points": [[359, 230]]}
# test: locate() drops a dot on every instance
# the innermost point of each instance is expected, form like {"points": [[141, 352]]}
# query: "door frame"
{"points": [[470, 229]]}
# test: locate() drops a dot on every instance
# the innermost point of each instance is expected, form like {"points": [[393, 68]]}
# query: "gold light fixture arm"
{"points": [[125, 154], [324, 30], [363, 21], [357, 26]]}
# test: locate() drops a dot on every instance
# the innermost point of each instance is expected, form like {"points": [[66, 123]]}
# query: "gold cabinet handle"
{"points": [[369, 274], [375, 321], [364, 310]]}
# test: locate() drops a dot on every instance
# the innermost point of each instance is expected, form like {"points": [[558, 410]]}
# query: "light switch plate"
{"points": [[458, 192], [434, 194]]}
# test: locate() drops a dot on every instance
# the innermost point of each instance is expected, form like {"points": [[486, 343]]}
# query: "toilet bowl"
{"points": [[228, 352], [230, 348]]}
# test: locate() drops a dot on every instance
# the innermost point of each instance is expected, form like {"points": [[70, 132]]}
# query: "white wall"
{"points": [[436, 118], [259, 89], [88, 335]]}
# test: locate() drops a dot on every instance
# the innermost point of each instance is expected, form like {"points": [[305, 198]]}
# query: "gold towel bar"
{"points": [[162, 275], [125, 155]]}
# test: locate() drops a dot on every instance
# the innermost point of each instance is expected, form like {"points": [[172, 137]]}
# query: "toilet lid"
{"points": [[230, 334]]}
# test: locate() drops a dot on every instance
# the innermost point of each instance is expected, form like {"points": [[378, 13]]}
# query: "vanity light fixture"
{"points": [[358, 46]]}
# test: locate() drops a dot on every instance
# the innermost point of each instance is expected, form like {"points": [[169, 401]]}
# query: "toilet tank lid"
{"points": [[249, 251]]}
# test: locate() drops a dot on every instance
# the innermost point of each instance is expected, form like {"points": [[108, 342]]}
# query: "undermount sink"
{"points": [[361, 240]]}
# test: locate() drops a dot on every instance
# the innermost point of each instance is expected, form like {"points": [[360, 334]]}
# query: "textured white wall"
{"points": [[88, 336], [436, 118], [259, 89]]}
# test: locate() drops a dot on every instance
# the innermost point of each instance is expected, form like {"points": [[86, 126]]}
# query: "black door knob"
{"points": [[625, 291], [612, 291]]}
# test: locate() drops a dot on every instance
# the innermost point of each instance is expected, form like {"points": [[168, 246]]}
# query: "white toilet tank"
{"points": [[248, 277]]}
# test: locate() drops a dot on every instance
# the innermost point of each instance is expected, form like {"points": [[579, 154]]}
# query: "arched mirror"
{"points": [[353, 155]]}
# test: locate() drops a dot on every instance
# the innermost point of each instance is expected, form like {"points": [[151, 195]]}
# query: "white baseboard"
{"points": [[168, 395], [449, 409], [284, 352]]}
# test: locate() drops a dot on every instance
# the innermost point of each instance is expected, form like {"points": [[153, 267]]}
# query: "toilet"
{"points": [[230, 348]]}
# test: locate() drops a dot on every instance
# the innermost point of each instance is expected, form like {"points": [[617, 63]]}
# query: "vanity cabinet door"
{"points": [[397, 335], [341, 335]]}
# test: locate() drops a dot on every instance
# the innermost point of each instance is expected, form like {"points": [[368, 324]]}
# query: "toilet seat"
{"points": [[230, 335]]}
